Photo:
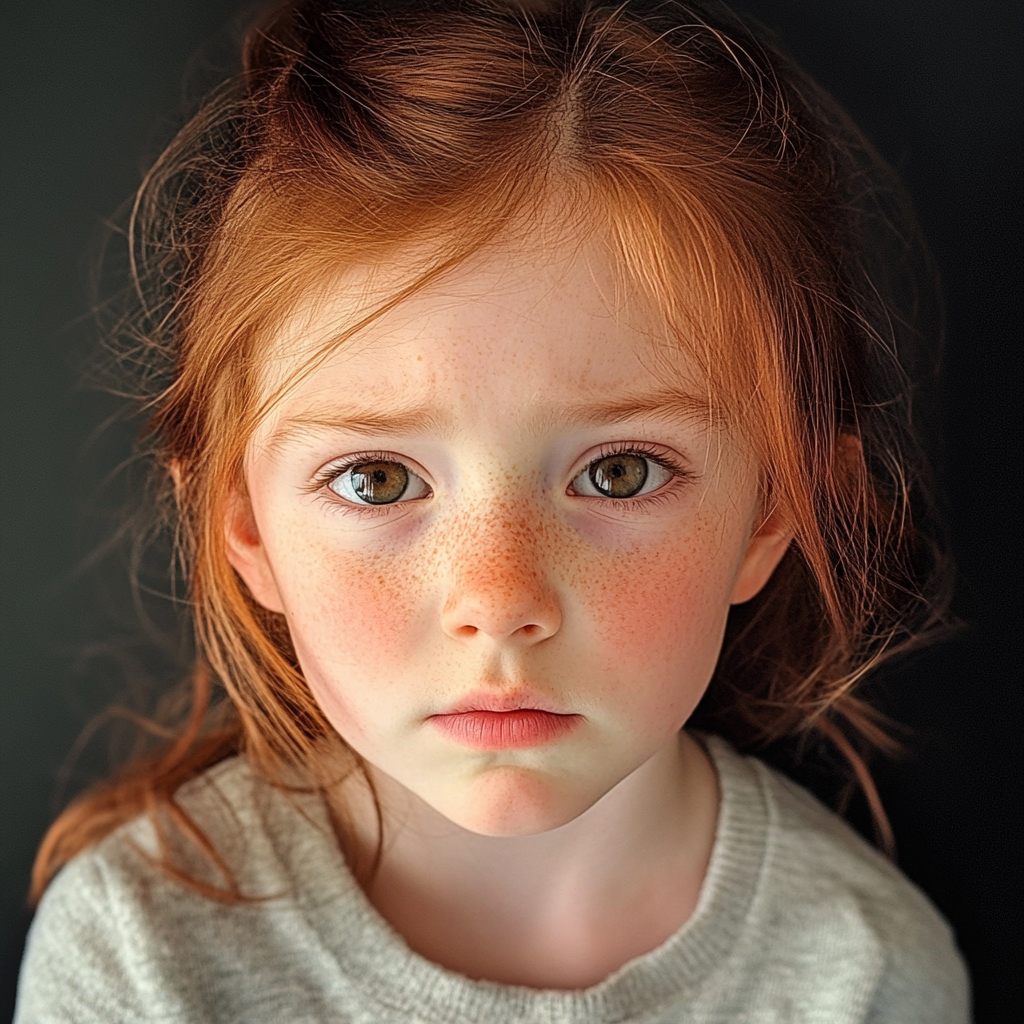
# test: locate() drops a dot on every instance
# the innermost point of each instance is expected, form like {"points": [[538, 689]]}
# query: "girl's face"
{"points": [[503, 533]]}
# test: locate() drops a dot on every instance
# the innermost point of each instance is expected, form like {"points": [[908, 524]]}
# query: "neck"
{"points": [[570, 905]]}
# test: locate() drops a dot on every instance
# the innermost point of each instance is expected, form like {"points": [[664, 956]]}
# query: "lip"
{"points": [[520, 699], [504, 721], [504, 730]]}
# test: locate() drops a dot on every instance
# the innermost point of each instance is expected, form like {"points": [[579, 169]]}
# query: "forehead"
{"points": [[541, 324]]}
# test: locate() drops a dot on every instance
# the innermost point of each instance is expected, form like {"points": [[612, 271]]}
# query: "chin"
{"points": [[511, 801]]}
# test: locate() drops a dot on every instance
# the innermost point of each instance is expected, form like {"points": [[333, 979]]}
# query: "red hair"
{"points": [[734, 196]]}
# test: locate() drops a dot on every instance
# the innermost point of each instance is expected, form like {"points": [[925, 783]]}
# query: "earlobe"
{"points": [[247, 555], [764, 552]]}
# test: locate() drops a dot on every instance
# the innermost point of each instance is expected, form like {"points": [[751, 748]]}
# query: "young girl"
{"points": [[528, 374]]}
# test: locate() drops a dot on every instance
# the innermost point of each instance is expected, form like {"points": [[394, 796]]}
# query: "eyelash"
{"points": [[655, 454], [645, 503], [333, 470]]}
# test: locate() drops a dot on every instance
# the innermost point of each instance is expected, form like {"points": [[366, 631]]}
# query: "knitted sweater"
{"points": [[798, 921]]}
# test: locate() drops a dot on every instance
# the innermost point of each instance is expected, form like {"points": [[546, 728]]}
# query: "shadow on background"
{"points": [[91, 89]]}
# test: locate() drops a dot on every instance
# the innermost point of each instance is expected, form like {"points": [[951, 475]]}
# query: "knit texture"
{"points": [[799, 921]]}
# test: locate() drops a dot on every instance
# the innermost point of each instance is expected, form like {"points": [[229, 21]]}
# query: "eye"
{"points": [[378, 482], [621, 475]]}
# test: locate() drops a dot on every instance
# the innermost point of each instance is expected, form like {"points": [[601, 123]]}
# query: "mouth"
{"points": [[504, 722]]}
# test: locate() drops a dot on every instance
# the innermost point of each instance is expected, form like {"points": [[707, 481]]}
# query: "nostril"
{"points": [[464, 618]]}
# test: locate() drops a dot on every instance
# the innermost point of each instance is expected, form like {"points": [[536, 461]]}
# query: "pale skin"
{"points": [[501, 571]]}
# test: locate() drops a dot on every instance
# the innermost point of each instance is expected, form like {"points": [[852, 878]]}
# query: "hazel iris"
{"points": [[619, 476], [379, 483]]}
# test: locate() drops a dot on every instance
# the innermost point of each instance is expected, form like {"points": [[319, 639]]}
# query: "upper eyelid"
{"points": [[661, 454], [338, 465]]}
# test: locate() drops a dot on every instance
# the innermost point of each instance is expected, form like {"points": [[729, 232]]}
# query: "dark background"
{"points": [[91, 89]]}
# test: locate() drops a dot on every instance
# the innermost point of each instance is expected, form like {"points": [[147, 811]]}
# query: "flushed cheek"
{"points": [[355, 621], [655, 626]]}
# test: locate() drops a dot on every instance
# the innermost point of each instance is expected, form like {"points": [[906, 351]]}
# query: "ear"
{"points": [[247, 555], [764, 552]]}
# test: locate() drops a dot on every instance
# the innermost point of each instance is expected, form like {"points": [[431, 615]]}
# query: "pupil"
{"points": [[380, 483], [619, 476]]}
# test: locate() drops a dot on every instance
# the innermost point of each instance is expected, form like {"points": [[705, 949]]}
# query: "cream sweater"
{"points": [[798, 921]]}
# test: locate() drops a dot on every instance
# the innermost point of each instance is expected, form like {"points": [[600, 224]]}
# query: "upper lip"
{"points": [[520, 699]]}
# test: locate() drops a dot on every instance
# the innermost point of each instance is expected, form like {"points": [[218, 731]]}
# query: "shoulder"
{"points": [[827, 895], [116, 938], [229, 808]]}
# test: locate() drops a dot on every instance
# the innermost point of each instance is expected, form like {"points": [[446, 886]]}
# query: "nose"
{"points": [[500, 590]]}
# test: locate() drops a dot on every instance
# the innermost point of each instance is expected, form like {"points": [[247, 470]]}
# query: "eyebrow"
{"points": [[665, 404], [395, 422]]}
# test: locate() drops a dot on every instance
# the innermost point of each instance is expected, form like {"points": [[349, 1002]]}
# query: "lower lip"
{"points": [[504, 730]]}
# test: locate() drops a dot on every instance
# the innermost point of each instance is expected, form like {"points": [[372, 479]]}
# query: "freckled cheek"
{"points": [[355, 624], [347, 611], [655, 624]]}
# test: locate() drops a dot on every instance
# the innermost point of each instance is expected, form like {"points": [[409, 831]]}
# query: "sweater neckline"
{"points": [[376, 958]]}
